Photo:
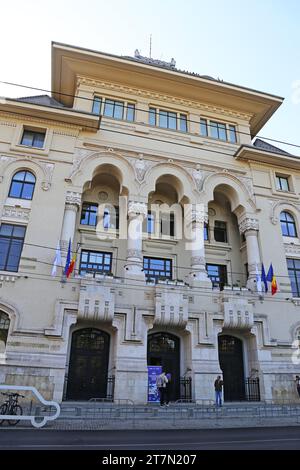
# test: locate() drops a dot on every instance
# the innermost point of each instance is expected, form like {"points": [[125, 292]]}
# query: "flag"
{"points": [[57, 260], [258, 280], [68, 260], [264, 277], [270, 273], [274, 285], [71, 265]]}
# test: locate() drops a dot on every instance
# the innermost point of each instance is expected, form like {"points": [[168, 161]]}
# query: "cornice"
{"points": [[161, 97], [74, 131]]}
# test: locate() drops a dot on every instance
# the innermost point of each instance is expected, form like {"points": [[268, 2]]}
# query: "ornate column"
{"points": [[249, 227], [137, 211], [198, 275], [73, 202]]}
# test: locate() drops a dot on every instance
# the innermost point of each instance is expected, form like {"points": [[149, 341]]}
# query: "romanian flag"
{"points": [[71, 265], [273, 285]]}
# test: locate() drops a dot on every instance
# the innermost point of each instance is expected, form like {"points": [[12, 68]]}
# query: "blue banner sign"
{"points": [[153, 394]]}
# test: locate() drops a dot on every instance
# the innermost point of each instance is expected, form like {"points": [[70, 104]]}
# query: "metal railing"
{"points": [[110, 390]]}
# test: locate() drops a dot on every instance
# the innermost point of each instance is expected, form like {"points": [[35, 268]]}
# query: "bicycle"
{"points": [[11, 407]]}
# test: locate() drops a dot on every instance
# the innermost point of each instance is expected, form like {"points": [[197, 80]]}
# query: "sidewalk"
{"points": [[101, 416]]}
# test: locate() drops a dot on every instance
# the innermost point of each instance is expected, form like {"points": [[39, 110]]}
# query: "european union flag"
{"points": [[68, 260], [264, 277]]}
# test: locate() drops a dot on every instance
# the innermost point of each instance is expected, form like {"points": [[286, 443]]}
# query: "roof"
{"points": [[269, 148], [44, 100]]}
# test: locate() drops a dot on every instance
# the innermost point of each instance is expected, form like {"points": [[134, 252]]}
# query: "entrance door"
{"points": [[88, 365], [232, 365], [164, 350]]}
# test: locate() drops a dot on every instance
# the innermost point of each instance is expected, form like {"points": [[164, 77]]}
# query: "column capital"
{"points": [[136, 208], [73, 199], [248, 223], [196, 214]]}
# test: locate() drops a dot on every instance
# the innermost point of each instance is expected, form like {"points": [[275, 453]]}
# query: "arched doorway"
{"points": [[164, 350], [88, 364], [232, 365]]}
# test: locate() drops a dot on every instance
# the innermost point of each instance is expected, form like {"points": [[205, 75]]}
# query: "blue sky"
{"points": [[255, 44]]}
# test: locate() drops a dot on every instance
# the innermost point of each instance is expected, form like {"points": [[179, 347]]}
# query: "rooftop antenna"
{"points": [[150, 45]]}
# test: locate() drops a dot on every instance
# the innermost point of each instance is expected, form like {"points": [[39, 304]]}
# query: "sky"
{"points": [[255, 44]]}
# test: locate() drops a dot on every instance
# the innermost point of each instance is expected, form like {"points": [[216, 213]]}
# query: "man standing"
{"points": [[161, 383], [297, 381], [218, 390]]}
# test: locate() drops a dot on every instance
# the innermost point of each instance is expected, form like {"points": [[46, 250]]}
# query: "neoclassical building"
{"points": [[130, 158]]}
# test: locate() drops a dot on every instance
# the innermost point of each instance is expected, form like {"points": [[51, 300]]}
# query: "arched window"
{"points": [[4, 326], [22, 185], [288, 226]]}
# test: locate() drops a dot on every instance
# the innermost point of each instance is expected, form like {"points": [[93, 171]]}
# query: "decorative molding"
{"points": [[238, 314], [134, 254], [292, 249], [8, 124], [47, 122], [137, 208], [140, 167], [71, 133], [171, 307], [198, 260], [248, 223], [114, 87], [96, 302], [20, 214], [275, 204], [48, 169], [79, 156], [73, 199]]}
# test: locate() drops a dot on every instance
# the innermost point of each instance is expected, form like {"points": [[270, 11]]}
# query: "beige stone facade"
{"points": [[194, 152]]}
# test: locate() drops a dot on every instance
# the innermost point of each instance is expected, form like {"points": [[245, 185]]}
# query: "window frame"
{"points": [[4, 327], [287, 224], [89, 212], [10, 239], [126, 106], [153, 277], [220, 229], [94, 271], [155, 114], [206, 125], [222, 275], [278, 180], [35, 133], [23, 183], [296, 279]]}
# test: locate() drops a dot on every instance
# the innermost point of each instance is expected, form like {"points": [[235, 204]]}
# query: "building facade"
{"points": [[129, 159]]}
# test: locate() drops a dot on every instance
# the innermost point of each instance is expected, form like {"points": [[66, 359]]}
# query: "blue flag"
{"points": [[68, 260], [264, 277], [270, 273]]}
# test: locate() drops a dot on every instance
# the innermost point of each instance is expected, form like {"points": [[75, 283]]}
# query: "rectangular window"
{"points": [[33, 138], [95, 262], [168, 119], [220, 231], [167, 224], [97, 103], [282, 183], [183, 122], [294, 273], [206, 232], [218, 130], [130, 112], [150, 223], [232, 134], [152, 117], [217, 274], [89, 213], [203, 127], [157, 268], [11, 245]]}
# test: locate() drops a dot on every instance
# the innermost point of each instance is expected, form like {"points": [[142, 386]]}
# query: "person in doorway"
{"points": [[168, 388], [161, 383], [297, 381], [218, 390]]}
